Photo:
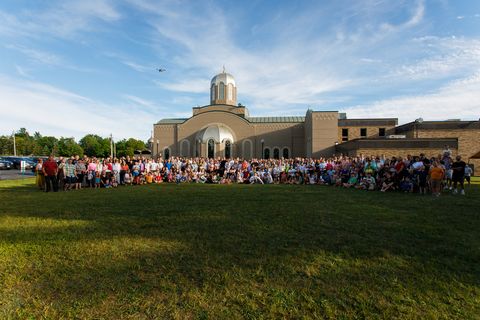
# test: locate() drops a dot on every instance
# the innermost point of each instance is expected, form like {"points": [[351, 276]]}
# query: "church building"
{"points": [[225, 129]]}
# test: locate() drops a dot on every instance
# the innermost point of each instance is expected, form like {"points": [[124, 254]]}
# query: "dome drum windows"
{"points": [[223, 89], [221, 96]]}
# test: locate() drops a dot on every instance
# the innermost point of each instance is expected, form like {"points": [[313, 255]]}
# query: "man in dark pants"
{"points": [[50, 170], [458, 176]]}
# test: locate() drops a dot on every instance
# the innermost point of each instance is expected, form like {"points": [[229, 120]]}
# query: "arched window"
{"points": [[228, 149], [212, 93], [222, 91], [185, 148], [166, 153], [276, 153], [266, 153], [247, 149], [211, 148], [285, 153]]}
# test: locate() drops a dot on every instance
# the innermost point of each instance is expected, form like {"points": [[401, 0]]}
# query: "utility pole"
{"points": [[14, 144], [111, 146]]}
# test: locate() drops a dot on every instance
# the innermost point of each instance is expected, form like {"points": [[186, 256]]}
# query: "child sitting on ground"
{"points": [[352, 181], [128, 178], [114, 182], [149, 178], [368, 182], [406, 185]]}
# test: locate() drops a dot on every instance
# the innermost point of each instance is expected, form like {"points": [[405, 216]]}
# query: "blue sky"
{"points": [[68, 68]]}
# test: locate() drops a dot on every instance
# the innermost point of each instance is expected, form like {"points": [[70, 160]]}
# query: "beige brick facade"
{"points": [[372, 131], [468, 142]]}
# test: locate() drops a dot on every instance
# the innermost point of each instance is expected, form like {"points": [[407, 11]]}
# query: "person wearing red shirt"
{"points": [[50, 170]]}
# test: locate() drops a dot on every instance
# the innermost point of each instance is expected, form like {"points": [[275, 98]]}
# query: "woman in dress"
{"points": [[40, 178]]}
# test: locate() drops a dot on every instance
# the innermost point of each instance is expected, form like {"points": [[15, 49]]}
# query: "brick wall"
{"points": [[372, 132], [468, 142]]}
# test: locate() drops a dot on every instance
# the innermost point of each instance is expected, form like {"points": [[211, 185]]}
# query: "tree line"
{"points": [[90, 145]]}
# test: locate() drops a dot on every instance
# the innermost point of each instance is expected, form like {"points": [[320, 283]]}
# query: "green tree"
{"points": [[25, 143], [44, 146], [94, 145], [6, 145], [128, 147], [68, 146]]}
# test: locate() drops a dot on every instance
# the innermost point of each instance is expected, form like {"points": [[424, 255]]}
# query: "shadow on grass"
{"points": [[189, 247]]}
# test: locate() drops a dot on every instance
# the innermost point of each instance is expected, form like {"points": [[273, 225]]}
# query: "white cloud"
{"points": [[37, 55], [454, 57], [415, 19], [52, 111], [63, 19], [137, 67], [101, 9], [458, 99], [22, 71], [199, 85], [143, 104]]}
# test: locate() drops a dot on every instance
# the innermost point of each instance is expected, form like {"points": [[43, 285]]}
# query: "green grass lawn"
{"points": [[239, 251]]}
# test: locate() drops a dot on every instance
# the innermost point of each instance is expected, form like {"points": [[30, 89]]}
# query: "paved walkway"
{"points": [[14, 174]]}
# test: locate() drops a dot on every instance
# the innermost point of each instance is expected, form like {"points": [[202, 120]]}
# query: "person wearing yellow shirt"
{"points": [[436, 174]]}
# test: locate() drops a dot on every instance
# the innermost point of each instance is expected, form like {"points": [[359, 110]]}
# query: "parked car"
{"points": [[5, 164], [17, 162]]}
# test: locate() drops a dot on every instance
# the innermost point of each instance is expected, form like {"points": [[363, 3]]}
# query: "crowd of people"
{"points": [[413, 174]]}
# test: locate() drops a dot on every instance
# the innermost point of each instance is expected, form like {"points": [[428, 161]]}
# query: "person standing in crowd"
{"points": [[436, 176], [468, 173], [40, 178], [458, 175], [123, 171], [50, 170], [91, 173], [70, 175], [80, 170], [61, 173], [116, 168]]}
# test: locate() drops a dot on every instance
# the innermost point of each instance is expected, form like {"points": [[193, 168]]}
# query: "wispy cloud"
{"points": [[64, 19], [22, 71], [450, 57], [199, 85], [137, 67], [280, 76], [458, 99], [58, 112], [414, 20], [37, 55]]}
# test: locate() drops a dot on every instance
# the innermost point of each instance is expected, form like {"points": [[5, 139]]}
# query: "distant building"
{"points": [[225, 129]]}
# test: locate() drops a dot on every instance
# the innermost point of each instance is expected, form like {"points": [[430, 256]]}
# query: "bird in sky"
{"points": [[161, 70]]}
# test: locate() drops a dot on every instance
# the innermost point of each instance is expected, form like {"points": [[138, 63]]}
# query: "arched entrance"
{"points": [[216, 140], [228, 149], [211, 148], [266, 153]]}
